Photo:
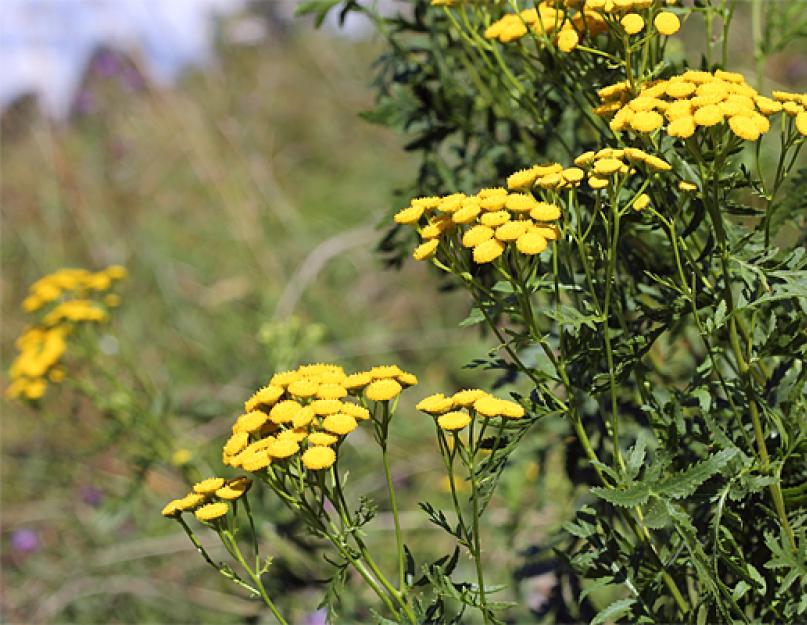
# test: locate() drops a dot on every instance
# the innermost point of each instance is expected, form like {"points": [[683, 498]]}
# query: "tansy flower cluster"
{"points": [[60, 301], [453, 413], [303, 415], [696, 99], [489, 221], [608, 165], [210, 499]]}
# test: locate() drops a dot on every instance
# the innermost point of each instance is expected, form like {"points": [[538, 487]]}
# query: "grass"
{"points": [[247, 204]]}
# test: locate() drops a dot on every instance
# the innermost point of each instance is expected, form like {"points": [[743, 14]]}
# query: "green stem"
{"points": [[393, 499]]}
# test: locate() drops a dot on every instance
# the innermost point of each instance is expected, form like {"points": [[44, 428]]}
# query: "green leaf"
{"points": [[570, 316], [634, 495], [614, 611], [685, 483], [320, 9], [474, 317]]}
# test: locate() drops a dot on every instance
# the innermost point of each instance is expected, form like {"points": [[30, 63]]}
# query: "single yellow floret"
{"points": [[667, 23], [488, 406], [256, 461], [435, 404], [568, 40], [801, 123], [267, 396], [744, 127], [683, 127], [488, 251], [453, 421], [426, 250], [519, 202], [339, 423], [632, 23], [354, 410], [282, 448], [687, 186], [236, 443], [284, 411], [544, 211], [511, 230], [510, 409], [680, 89], [322, 439], [303, 417], [250, 421], [234, 489], [357, 380], [494, 219], [641, 202], [531, 242], [708, 115], [383, 390], [607, 166], [208, 486], [408, 216], [646, 121], [467, 397], [303, 388], [522, 179], [318, 457], [466, 214], [212, 511]]}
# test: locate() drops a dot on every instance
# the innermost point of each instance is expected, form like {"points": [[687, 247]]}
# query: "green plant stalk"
{"points": [[477, 543], [392, 498], [253, 575]]}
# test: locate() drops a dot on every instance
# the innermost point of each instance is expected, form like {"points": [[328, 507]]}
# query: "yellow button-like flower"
{"points": [[466, 214], [322, 439], [511, 230], [467, 397], [208, 486], [641, 202], [488, 251], [339, 423], [494, 219], [234, 489], [357, 380], [236, 443], [632, 23], [708, 115], [568, 40], [646, 121], [435, 404], [510, 409], [282, 448], [680, 89], [303, 388], [318, 457], [190, 501], [801, 123], [426, 250], [453, 421], [212, 511], [684, 185], [544, 211], [488, 406], [383, 390], [408, 216], [357, 412], [683, 127], [607, 166], [476, 235], [250, 421], [531, 243], [744, 127], [267, 396], [522, 179], [519, 202], [284, 411], [667, 23], [256, 461]]}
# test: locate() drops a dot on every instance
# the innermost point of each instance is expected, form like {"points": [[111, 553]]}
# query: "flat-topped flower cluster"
{"points": [[694, 100], [59, 302]]}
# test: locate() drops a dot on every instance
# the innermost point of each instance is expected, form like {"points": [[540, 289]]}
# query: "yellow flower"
{"points": [[234, 488], [331, 391], [172, 508], [116, 272], [357, 412], [492, 203], [112, 300], [585, 159], [383, 390], [510, 409], [212, 511], [680, 89], [467, 397], [380, 372], [318, 457], [208, 486], [744, 127], [687, 186], [488, 406], [236, 443], [494, 219], [801, 123], [256, 461], [303, 388], [511, 230], [181, 457], [190, 501], [339, 423], [708, 115], [426, 250], [568, 40], [519, 202], [632, 23], [667, 23], [466, 214], [453, 421], [659, 164], [284, 378], [282, 448], [284, 411], [641, 202], [767, 105], [573, 174], [683, 127], [408, 216], [488, 251], [522, 179], [545, 211], [267, 396], [531, 243], [250, 421], [435, 404], [303, 417], [322, 439], [476, 235], [357, 380], [607, 166], [646, 121], [324, 407]]}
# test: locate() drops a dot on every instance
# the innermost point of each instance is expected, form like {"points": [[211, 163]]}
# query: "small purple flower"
{"points": [[25, 540], [91, 496], [107, 63], [320, 617]]}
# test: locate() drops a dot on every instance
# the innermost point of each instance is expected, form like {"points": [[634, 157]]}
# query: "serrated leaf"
{"points": [[569, 316], [634, 495], [614, 611], [474, 317], [687, 482]]}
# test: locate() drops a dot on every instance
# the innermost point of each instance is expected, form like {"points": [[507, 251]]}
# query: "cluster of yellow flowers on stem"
{"points": [[697, 99], [60, 301], [303, 415], [569, 21], [454, 412], [209, 499]]}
